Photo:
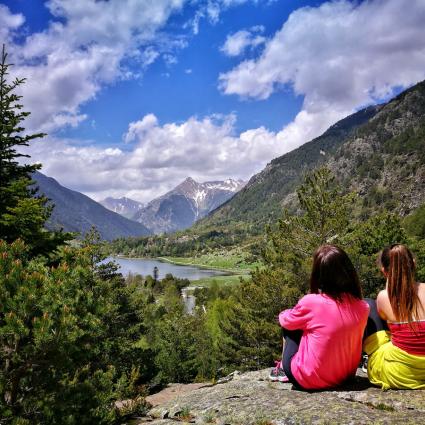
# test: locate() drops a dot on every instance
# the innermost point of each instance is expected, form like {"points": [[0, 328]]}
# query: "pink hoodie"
{"points": [[331, 343]]}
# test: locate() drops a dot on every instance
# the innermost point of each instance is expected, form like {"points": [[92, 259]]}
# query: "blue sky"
{"points": [[136, 95]]}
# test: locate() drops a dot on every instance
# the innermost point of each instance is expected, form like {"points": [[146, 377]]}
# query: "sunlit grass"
{"points": [[220, 280]]}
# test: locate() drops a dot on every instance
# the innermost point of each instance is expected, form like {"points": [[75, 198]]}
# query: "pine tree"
{"points": [[324, 218], [22, 213]]}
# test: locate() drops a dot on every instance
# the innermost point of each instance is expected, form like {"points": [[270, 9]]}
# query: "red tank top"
{"points": [[409, 337]]}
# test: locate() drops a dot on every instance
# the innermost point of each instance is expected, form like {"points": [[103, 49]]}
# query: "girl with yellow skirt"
{"points": [[395, 333]]}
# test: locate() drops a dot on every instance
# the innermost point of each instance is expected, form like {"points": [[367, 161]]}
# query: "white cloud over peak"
{"points": [[340, 56], [84, 48], [158, 157], [238, 42]]}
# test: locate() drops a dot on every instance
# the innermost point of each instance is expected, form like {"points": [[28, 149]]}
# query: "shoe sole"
{"points": [[283, 380]]}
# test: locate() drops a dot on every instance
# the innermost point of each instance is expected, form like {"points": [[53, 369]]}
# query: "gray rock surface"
{"points": [[250, 399]]}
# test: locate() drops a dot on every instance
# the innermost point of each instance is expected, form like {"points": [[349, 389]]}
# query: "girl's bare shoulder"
{"points": [[421, 293], [384, 306], [382, 297]]}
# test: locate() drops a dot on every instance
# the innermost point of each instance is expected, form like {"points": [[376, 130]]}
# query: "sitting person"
{"points": [[323, 332], [397, 351]]}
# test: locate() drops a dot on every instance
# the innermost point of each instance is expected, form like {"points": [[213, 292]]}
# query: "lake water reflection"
{"points": [[146, 266]]}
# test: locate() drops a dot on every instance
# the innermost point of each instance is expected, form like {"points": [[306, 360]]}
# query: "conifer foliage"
{"points": [[66, 338], [22, 214]]}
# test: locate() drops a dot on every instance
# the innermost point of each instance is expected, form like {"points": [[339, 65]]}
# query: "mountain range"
{"points": [[185, 204], [75, 212], [124, 206], [378, 153], [124, 217]]}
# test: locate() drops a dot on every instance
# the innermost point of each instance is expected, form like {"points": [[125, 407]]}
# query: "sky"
{"points": [[137, 95]]}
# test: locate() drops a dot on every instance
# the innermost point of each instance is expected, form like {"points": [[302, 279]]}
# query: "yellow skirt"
{"points": [[390, 367]]}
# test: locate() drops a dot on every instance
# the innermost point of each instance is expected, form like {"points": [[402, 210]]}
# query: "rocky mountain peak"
{"points": [[188, 186], [228, 184], [186, 203], [190, 180]]}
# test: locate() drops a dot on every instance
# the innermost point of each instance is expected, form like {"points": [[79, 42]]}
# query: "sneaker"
{"points": [[277, 374], [365, 359]]}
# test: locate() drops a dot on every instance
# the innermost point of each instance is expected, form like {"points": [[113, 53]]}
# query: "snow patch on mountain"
{"points": [[124, 206], [186, 203]]}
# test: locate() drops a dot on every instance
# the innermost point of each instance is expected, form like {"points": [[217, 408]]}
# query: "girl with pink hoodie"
{"points": [[323, 332]]}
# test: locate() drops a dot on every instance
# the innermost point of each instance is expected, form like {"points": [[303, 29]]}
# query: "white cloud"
{"points": [[339, 56], [9, 23], [169, 59], [85, 47], [238, 42], [158, 158], [211, 10], [149, 56], [138, 128]]}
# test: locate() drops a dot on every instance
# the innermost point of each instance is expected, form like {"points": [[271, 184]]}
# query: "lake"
{"points": [[145, 266]]}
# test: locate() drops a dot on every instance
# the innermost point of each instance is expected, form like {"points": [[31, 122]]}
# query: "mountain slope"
{"points": [[75, 212], [377, 152], [260, 200], [385, 162], [186, 203], [123, 206]]}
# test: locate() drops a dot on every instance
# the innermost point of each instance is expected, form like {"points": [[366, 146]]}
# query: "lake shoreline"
{"points": [[180, 263]]}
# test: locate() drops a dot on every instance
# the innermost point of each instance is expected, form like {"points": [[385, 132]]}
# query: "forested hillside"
{"points": [[384, 163]]}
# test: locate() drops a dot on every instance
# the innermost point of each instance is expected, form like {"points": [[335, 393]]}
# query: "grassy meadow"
{"points": [[234, 261]]}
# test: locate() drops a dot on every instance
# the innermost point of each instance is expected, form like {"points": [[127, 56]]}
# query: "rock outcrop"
{"points": [[250, 399]]}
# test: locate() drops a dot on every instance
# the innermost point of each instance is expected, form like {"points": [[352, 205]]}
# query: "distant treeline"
{"points": [[188, 244]]}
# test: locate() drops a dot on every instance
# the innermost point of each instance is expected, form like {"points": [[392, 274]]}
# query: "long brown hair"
{"points": [[333, 273], [398, 263]]}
